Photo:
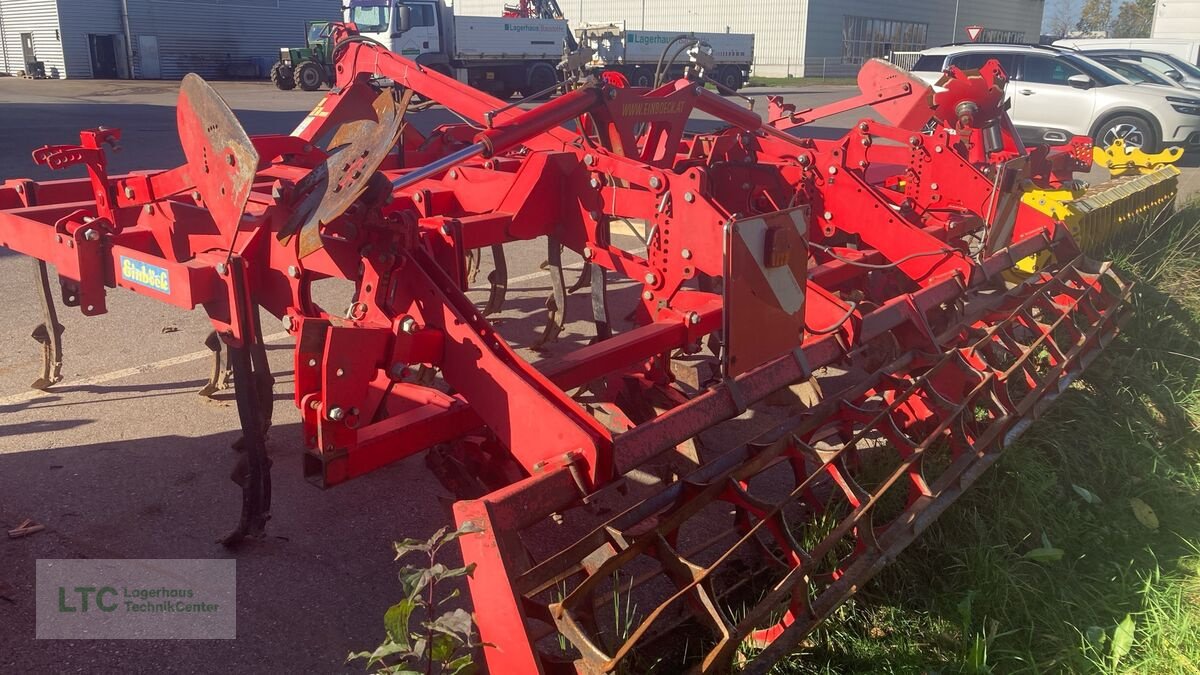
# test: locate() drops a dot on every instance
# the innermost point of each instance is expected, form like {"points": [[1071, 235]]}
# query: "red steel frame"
{"points": [[909, 237]]}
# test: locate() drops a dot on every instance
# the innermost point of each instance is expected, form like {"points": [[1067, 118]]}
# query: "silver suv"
{"points": [[1056, 94]]}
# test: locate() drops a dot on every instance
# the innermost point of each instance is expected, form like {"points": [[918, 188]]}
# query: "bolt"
{"points": [[587, 253], [58, 238], [588, 159], [832, 170], [337, 414], [647, 295], [195, 195], [651, 278], [312, 363], [828, 215], [866, 142], [221, 269], [229, 159], [128, 192], [863, 127], [408, 325], [805, 160], [293, 271], [339, 372], [686, 253], [70, 243], [594, 183], [149, 208], [862, 163], [694, 318], [937, 149], [933, 186], [655, 182], [91, 235], [453, 173], [287, 322], [689, 197], [417, 197], [914, 141]]}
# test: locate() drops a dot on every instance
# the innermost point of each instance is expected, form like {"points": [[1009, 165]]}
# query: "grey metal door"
{"points": [[148, 57], [27, 47]]}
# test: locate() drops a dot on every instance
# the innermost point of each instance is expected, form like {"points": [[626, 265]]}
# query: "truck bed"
{"points": [[496, 38]]}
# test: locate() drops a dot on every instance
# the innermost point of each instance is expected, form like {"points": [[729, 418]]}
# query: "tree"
{"points": [[1135, 19], [1061, 19], [1095, 16]]}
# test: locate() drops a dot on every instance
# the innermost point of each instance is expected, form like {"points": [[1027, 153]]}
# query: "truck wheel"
{"points": [[541, 76], [283, 77], [730, 78], [310, 76], [643, 78]]}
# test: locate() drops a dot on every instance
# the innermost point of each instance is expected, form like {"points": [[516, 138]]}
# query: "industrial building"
{"points": [[152, 38], [812, 37]]}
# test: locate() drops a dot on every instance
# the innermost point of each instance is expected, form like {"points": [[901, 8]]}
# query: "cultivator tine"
{"points": [[497, 281], [49, 332], [556, 302], [218, 378], [584, 279], [599, 284]]}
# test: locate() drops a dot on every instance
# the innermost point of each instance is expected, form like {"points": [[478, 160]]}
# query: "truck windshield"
{"points": [[371, 16]]}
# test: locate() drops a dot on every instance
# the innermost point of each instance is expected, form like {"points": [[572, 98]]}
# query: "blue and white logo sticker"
{"points": [[145, 274]]}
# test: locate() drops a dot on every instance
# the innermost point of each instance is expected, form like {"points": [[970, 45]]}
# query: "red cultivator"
{"points": [[872, 275]]}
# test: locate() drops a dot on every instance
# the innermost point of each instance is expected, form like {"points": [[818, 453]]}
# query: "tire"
{"points": [[1136, 131], [310, 76], [541, 76], [730, 78], [283, 77], [642, 78]]}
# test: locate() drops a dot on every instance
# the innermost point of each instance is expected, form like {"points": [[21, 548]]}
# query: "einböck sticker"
{"points": [[145, 274]]}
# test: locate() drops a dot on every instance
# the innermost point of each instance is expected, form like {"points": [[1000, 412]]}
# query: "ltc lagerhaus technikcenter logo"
{"points": [[136, 599]]}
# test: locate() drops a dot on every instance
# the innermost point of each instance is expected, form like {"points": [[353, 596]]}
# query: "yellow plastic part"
{"points": [[1142, 187]]}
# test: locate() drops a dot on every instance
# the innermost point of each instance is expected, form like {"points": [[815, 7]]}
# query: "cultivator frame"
{"points": [[871, 273]]}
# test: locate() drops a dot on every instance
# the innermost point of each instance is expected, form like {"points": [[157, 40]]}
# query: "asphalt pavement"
{"points": [[124, 460]]}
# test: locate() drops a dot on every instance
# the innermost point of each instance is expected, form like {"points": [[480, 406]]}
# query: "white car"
{"points": [[1056, 94]]}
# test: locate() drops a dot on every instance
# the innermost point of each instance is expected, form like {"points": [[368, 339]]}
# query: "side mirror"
{"points": [[1174, 75], [403, 18], [1081, 82]]}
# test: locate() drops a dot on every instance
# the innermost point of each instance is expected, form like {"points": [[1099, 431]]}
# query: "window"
{"points": [[422, 15], [930, 64], [1046, 70], [371, 17], [864, 38], [976, 60]]}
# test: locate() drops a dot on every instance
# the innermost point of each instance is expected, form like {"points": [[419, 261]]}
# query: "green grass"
{"points": [[1125, 596], [798, 81]]}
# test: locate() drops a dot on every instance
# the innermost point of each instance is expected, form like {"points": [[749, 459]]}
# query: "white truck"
{"points": [[636, 53], [499, 55]]}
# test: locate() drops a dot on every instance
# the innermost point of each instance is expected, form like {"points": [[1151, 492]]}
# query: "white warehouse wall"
{"points": [[1177, 19]]}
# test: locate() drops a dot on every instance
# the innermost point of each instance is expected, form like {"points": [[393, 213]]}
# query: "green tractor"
{"points": [[309, 66]]}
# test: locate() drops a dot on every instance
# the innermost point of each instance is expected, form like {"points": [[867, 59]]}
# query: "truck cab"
{"points": [[411, 29]]}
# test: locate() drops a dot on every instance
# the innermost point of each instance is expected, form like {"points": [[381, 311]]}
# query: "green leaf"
{"points": [[457, 623], [413, 581], [396, 621], [468, 527], [1122, 640], [463, 665], [964, 611], [1085, 494], [1144, 514], [1044, 555], [977, 656], [1095, 636], [443, 648], [407, 546], [440, 571]]}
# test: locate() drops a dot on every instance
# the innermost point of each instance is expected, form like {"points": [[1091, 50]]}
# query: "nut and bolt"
{"points": [[828, 215], [833, 171], [595, 183], [933, 186], [655, 182], [453, 173], [651, 278], [312, 363], [588, 159], [58, 238], [647, 295], [686, 253], [196, 195], [288, 324], [293, 271], [128, 192], [417, 198], [587, 253], [408, 325], [863, 127], [91, 235], [694, 318], [689, 197], [149, 208], [914, 141], [805, 160], [337, 414], [222, 269], [937, 149]]}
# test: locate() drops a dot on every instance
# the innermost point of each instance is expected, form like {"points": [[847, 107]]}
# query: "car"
{"points": [[1056, 94], [1172, 66], [1136, 72]]}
